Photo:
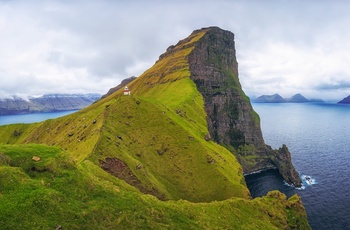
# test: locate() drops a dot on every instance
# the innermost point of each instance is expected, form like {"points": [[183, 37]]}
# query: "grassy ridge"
{"points": [[167, 156]]}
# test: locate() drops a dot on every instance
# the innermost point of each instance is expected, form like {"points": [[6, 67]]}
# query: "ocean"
{"points": [[31, 118], [317, 135]]}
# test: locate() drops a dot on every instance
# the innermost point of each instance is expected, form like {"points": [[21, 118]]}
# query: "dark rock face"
{"points": [[232, 122], [214, 69], [121, 85], [345, 100]]}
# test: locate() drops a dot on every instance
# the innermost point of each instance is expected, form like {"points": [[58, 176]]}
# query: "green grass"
{"points": [[177, 173], [84, 196]]}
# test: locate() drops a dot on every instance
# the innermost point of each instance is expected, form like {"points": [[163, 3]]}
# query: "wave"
{"points": [[308, 180]]}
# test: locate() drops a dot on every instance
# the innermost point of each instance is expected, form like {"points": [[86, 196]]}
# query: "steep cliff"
{"points": [[231, 119]]}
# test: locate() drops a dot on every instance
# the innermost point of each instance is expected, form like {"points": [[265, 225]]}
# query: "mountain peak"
{"points": [[298, 98]]}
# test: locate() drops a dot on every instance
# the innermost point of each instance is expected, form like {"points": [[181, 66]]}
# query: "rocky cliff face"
{"points": [[231, 119]]}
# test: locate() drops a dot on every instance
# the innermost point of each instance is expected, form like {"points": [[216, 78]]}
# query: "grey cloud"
{"points": [[102, 42], [336, 85]]}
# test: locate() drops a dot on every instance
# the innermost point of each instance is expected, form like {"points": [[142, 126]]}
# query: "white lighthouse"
{"points": [[126, 90]]}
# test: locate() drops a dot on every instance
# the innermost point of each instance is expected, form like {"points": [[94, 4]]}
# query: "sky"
{"points": [[86, 46]]}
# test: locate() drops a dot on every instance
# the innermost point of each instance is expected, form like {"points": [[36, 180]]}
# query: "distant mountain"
{"points": [[345, 100], [46, 103], [276, 98], [297, 98]]}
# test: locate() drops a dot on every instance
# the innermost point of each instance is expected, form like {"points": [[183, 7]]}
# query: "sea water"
{"points": [[318, 137], [31, 118]]}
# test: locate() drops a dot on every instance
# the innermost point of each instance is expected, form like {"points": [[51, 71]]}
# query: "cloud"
{"points": [[334, 85], [90, 46]]}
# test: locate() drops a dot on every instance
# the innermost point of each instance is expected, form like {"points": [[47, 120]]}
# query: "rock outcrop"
{"points": [[232, 122]]}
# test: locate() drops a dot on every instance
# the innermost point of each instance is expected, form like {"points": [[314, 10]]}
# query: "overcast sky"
{"points": [[283, 46]]}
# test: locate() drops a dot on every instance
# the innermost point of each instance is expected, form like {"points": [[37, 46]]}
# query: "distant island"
{"points": [[346, 100], [47, 103], [276, 98]]}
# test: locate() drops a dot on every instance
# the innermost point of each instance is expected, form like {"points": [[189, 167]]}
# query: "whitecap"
{"points": [[308, 180]]}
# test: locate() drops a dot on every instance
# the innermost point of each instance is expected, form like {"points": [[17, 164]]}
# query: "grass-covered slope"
{"points": [[56, 192], [98, 166]]}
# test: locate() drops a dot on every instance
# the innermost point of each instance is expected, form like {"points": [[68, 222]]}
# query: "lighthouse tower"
{"points": [[126, 90]]}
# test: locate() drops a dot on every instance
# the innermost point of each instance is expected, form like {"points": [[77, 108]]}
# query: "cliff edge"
{"points": [[232, 122]]}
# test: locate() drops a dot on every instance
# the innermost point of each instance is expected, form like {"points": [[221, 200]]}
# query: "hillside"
{"points": [[104, 166], [46, 103]]}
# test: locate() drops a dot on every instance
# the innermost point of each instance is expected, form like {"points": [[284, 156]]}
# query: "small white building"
{"points": [[126, 90]]}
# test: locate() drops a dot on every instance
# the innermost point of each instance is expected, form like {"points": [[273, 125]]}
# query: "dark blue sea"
{"points": [[31, 118], [318, 136]]}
